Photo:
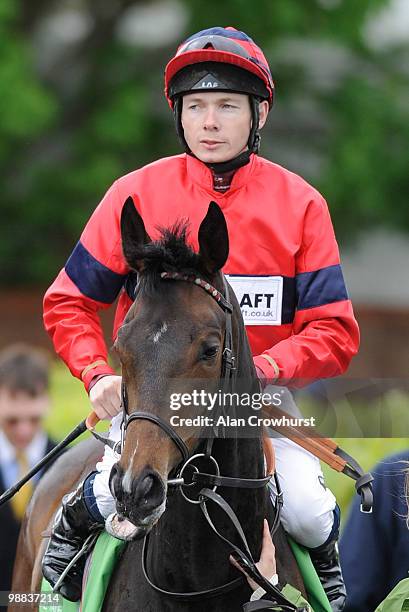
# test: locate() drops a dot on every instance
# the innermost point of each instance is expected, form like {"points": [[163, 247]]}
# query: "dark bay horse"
{"points": [[175, 331]]}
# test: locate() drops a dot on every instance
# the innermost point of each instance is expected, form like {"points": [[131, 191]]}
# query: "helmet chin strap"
{"points": [[242, 158], [254, 136]]}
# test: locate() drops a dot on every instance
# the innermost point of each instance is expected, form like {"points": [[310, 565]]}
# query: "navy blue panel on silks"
{"points": [[92, 278], [288, 308], [320, 287]]}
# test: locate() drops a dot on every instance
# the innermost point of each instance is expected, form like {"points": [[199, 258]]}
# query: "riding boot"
{"points": [[326, 562], [72, 526]]}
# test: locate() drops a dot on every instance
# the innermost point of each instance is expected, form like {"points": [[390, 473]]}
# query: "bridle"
{"points": [[210, 482]]}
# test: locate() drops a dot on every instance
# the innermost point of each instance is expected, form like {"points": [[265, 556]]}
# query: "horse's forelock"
{"points": [[170, 253]]}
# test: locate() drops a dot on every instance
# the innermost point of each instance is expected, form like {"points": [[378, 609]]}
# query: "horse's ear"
{"points": [[213, 239], [133, 234]]}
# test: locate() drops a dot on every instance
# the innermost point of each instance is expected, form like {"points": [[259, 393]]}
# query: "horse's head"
{"points": [[173, 332]]}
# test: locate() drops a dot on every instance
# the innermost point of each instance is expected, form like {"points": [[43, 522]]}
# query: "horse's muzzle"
{"points": [[139, 498]]}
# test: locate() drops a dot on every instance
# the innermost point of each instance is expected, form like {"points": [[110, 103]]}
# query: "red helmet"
{"points": [[223, 46]]}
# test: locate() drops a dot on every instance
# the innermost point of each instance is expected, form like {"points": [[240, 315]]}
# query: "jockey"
{"points": [[220, 89]]}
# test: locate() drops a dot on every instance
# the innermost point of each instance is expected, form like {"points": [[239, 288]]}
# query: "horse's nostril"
{"points": [[149, 491], [146, 485]]}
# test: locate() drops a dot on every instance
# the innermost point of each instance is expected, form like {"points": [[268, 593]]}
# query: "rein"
{"points": [[210, 482]]}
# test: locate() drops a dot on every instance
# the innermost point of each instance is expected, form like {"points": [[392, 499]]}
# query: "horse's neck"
{"points": [[186, 555]]}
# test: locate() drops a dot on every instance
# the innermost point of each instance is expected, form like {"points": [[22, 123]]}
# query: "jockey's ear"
{"points": [[213, 240], [133, 234]]}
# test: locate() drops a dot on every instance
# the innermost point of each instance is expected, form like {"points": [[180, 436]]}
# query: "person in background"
{"points": [[24, 402], [374, 548]]}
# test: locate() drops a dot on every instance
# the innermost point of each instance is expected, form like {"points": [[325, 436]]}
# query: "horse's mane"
{"points": [[170, 253]]}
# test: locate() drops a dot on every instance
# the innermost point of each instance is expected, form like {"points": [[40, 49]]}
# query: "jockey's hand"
{"points": [[105, 397], [267, 564]]}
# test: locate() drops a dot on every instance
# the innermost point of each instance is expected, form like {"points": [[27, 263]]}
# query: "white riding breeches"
{"points": [[307, 513], [308, 508], [103, 495], [308, 505]]}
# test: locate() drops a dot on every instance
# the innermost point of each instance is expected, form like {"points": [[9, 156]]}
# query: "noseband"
{"points": [[245, 559]]}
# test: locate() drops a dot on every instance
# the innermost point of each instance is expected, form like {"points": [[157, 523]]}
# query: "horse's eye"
{"points": [[210, 352]]}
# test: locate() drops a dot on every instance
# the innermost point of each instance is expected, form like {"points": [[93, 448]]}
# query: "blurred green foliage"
{"points": [[76, 116]]}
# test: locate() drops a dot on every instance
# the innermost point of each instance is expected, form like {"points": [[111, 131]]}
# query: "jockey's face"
{"points": [[217, 124]]}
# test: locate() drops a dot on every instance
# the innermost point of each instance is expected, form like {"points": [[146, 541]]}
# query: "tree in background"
{"points": [[83, 104]]}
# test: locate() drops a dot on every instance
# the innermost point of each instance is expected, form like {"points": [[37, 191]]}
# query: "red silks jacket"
{"points": [[283, 265]]}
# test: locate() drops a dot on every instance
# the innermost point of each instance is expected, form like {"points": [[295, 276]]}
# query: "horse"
{"points": [[176, 333]]}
